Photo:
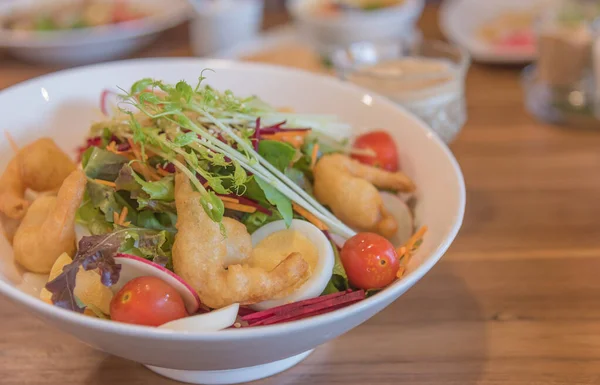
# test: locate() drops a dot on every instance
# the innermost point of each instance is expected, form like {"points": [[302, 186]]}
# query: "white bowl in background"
{"points": [[460, 20], [327, 33], [219, 25], [64, 104], [89, 45]]}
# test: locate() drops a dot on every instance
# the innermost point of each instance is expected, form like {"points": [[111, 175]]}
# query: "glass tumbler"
{"points": [[426, 77]]}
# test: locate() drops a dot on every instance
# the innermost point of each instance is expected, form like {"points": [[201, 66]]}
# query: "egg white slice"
{"points": [[320, 276]]}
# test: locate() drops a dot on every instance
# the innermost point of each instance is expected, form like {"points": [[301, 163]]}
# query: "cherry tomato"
{"points": [[370, 260], [384, 148], [147, 301]]}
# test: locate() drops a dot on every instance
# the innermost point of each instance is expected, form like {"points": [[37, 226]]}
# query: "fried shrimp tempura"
{"points": [[48, 228], [200, 251], [39, 166], [348, 187]]}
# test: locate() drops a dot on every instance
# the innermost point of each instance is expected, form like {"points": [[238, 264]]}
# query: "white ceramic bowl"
{"points": [[327, 33], [61, 106], [89, 45]]}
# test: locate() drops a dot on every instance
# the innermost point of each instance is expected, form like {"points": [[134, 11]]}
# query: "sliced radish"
{"points": [[400, 211], [134, 266], [110, 103], [338, 240], [207, 322]]}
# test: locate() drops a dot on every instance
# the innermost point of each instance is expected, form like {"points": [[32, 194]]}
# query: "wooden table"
{"points": [[516, 300]]}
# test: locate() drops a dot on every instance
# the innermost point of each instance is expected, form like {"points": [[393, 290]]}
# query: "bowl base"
{"points": [[231, 376]]}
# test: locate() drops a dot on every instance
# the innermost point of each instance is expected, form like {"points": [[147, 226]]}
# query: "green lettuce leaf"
{"points": [[279, 154], [92, 218], [339, 278], [102, 164], [147, 243], [277, 199], [299, 178], [109, 201], [156, 221], [161, 190], [257, 220]]}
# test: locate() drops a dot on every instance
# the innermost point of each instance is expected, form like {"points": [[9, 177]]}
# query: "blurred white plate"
{"points": [[88, 45], [461, 19]]}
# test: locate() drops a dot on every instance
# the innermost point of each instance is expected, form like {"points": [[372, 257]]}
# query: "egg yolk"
{"points": [[277, 246]]}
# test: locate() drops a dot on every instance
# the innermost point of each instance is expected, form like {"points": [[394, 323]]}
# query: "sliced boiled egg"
{"points": [[274, 242], [208, 322]]}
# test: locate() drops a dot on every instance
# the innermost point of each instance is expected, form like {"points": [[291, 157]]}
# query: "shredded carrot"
{"points": [[313, 156], [239, 207], [206, 184], [405, 251], [295, 138], [401, 271], [123, 215], [162, 171], [119, 219], [11, 141], [309, 216], [149, 173], [229, 199], [135, 149], [415, 238], [105, 182]]}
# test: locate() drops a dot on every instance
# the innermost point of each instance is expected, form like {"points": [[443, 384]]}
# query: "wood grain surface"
{"points": [[516, 300]]}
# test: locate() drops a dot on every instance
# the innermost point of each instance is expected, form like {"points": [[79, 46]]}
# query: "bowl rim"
{"points": [[393, 291], [408, 10], [152, 23]]}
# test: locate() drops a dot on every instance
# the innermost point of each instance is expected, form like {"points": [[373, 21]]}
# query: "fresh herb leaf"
{"points": [[279, 154], [277, 199], [92, 218], [95, 252], [141, 85], [257, 220], [107, 200], [185, 139], [339, 278], [102, 164], [156, 221], [299, 178], [147, 244], [162, 190]]}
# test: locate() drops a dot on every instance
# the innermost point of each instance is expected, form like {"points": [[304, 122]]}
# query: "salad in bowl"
{"points": [[198, 219], [203, 200]]}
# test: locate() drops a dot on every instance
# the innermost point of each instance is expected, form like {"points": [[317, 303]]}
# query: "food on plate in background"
{"points": [[191, 200], [510, 30], [73, 15], [332, 8]]}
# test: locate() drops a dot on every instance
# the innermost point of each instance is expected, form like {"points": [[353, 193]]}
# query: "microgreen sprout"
{"points": [[210, 130]]}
